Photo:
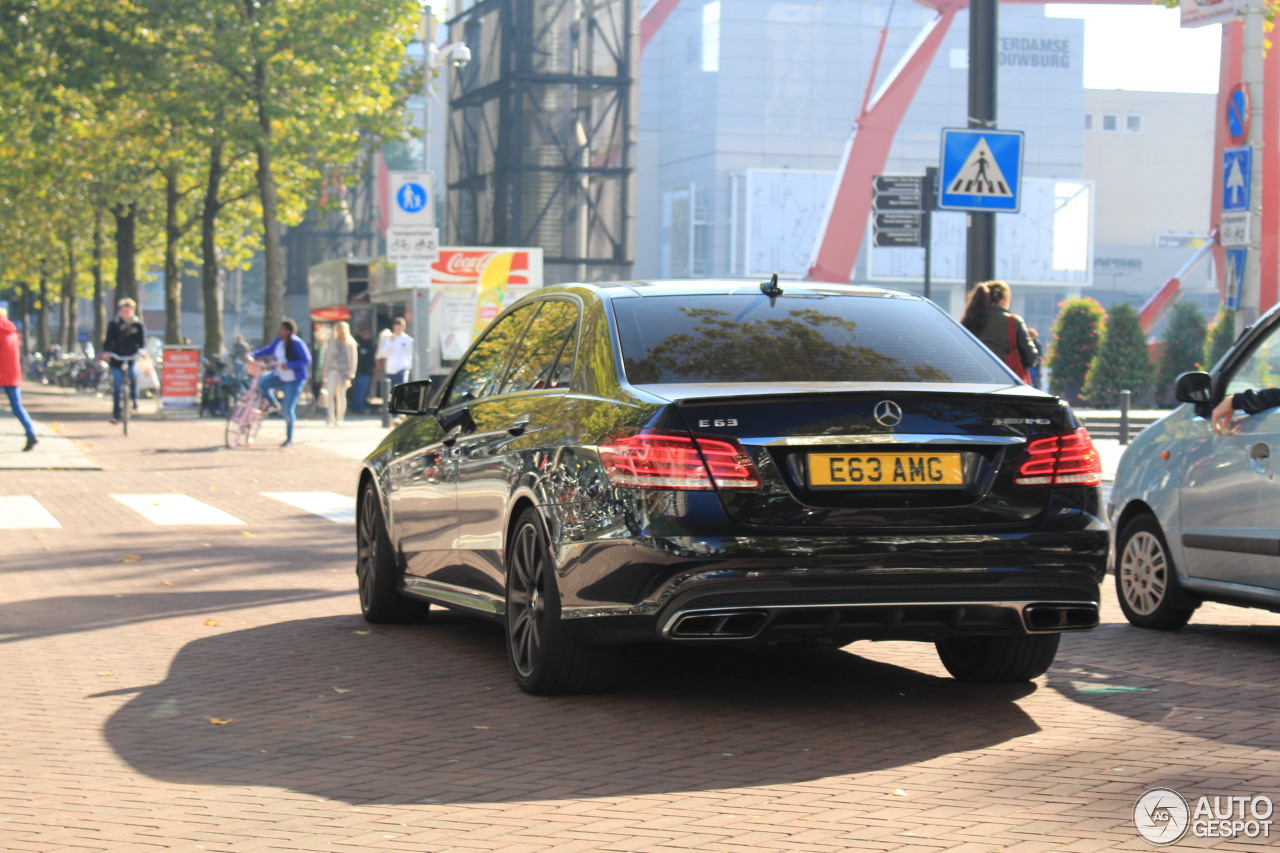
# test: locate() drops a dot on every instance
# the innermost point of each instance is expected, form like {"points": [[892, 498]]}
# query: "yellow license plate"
{"points": [[846, 470]]}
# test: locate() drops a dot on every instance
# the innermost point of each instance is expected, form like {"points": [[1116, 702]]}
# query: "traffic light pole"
{"points": [[980, 237], [930, 202]]}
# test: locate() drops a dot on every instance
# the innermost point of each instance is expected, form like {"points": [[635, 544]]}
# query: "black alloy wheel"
{"points": [[998, 658], [544, 658], [1146, 582], [377, 569]]}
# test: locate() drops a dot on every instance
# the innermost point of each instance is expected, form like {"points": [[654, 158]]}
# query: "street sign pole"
{"points": [[1252, 72], [980, 238], [930, 201]]}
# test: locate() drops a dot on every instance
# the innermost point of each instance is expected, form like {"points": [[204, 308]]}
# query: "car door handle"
{"points": [[519, 426], [451, 437]]}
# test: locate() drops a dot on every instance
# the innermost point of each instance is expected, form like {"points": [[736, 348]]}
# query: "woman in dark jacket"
{"points": [[987, 315]]}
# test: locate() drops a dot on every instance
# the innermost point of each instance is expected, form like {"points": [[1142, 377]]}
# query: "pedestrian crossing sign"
{"points": [[981, 170]]}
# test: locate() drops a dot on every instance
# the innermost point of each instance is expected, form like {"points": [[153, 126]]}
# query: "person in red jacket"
{"points": [[11, 374]]}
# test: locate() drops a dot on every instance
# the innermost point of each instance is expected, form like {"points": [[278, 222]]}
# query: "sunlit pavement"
{"points": [[187, 686]]}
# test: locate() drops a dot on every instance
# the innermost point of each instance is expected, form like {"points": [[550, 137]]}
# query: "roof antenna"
{"points": [[770, 288]]}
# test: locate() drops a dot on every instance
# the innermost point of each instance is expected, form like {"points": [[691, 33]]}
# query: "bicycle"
{"points": [[128, 387], [249, 410]]}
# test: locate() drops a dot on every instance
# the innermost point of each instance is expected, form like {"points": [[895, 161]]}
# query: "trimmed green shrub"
{"points": [[1181, 348], [1122, 362], [1076, 335], [1222, 334]]}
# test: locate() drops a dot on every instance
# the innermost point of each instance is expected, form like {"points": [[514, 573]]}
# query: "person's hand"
{"points": [[1222, 413]]}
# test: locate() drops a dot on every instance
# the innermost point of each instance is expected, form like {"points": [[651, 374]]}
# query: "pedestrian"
{"points": [[365, 349], [340, 358], [126, 336], [240, 348], [1250, 402], [1035, 371], [395, 353], [987, 315], [11, 374], [291, 358]]}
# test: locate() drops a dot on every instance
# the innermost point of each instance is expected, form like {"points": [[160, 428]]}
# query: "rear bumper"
{"points": [[929, 588]]}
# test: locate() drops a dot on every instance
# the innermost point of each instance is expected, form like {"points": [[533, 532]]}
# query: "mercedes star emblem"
{"points": [[888, 413]]}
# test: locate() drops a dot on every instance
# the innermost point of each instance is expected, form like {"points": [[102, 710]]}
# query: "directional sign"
{"points": [[1235, 276], [412, 244], [899, 229], [1237, 177], [1238, 113], [411, 202], [980, 170], [899, 192]]}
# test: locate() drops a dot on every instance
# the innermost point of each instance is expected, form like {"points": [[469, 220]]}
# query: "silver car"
{"points": [[1196, 515]]}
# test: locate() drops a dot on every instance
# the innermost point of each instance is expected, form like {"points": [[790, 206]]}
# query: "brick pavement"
{"points": [[220, 693]]}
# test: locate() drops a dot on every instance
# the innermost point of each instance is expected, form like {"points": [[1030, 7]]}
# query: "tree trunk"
{"points": [[70, 309], [42, 315], [172, 277], [210, 281], [126, 214], [99, 298], [273, 266]]}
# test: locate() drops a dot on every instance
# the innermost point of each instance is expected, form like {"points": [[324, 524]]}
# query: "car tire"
{"points": [[1146, 581], [545, 660], [1018, 657], [377, 570]]}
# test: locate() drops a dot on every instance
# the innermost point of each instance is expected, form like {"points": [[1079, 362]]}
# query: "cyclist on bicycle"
{"points": [[292, 359], [126, 336]]}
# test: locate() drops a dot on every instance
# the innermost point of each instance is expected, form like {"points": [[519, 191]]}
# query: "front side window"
{"points": [[482, 371], [812, 337], [1261, 369], [544, 358]]}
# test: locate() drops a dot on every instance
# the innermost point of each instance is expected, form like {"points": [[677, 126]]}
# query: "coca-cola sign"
{"points": [[465, 263]]}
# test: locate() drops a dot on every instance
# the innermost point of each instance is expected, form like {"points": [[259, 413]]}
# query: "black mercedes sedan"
{"points": [[743, 463]]}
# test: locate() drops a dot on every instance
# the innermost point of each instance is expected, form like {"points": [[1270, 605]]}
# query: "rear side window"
{"points": [[545, 356], [796, 338]]}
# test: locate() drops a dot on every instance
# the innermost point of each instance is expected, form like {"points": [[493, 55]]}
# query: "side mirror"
{"points": [[1194, 387], [411, 398]]}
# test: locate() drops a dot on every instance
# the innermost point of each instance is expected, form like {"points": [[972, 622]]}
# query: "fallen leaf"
{"points": [[129, 558], [217, 722], [106, 673], [482, 727], [166, 583], [213, 623], [206, 545], [341, 690], [898, 792], [247, 533], [362, 633]]}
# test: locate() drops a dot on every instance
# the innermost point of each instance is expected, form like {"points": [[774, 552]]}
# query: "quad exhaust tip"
{"points": [[1060, 617], [731, 625]]}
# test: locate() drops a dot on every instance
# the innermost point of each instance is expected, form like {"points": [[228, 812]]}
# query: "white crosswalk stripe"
{"points": [[24, 512], [331, 505], [175, 509]]}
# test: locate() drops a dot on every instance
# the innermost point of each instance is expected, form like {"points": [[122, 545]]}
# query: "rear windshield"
{"points": [[800, 338]]}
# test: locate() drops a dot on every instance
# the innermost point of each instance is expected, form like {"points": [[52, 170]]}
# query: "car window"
{"points": [[1261, 369], [550, 342], [805, 337], [481, 373]]}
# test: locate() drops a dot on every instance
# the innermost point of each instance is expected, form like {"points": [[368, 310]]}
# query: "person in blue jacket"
{"points": [[291, 358]]}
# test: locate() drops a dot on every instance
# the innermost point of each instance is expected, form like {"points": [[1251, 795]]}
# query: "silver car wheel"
{"points": [[1144, 573]]}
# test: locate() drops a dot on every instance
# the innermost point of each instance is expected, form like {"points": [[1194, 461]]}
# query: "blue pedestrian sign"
{"points": [[981, 170], [1237, 178], [1235, 276], [411, 197]]}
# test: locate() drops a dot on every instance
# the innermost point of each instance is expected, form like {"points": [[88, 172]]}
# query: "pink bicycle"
{"points": [[248, 411]]}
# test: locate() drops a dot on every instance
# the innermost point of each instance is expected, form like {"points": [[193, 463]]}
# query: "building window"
{"points": [[1133, 124], [1110, 123], [711, 36], [1088, 121]]}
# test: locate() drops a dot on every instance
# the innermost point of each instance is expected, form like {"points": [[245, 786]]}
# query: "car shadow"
{"points": [[1212, 681], [336, 708]]}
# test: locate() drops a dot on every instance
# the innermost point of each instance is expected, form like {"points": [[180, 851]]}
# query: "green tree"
{"points": [[1076, 334], [1222, 334], [1181, 348], [1123, 362]]}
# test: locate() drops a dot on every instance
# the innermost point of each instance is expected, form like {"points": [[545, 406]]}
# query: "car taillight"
{"points": [[1069, 459], [665, 460]]}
